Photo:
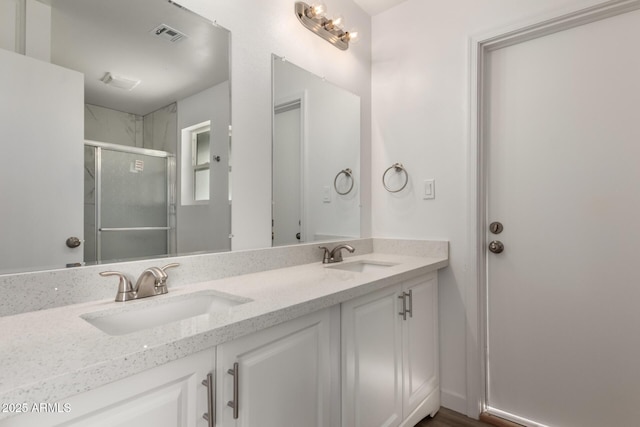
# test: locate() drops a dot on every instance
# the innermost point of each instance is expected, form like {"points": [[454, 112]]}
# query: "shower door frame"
{"points": [[171, 193]]}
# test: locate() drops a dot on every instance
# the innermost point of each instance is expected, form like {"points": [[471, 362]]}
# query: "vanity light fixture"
{"points": [[119, 81], [314, 19]]}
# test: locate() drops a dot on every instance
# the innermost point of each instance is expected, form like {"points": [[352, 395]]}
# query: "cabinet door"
{"points": [[420, 342], [170, 395], [285, 375], [372, 360]]}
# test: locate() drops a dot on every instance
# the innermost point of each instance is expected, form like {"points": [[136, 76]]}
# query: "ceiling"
{"points": [[117, 36], [97, 36], [374, 7]]}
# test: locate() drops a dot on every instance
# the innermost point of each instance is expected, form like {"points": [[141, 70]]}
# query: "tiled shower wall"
{"points": [[157, 130], [116, 127]]}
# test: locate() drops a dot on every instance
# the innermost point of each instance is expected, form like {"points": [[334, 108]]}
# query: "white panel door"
{"points": [[285, 376], [564, 180], [287, 178], [41, 166], [372, 360]]}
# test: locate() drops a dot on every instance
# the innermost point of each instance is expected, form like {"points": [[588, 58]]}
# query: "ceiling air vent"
{"points": [[166, 32]]}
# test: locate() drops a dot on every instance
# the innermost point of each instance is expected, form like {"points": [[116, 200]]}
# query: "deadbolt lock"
{"points": [[496, 227]]}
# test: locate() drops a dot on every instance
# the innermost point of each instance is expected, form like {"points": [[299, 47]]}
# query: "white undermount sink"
{"points": [[362, 266], [134, 318]]}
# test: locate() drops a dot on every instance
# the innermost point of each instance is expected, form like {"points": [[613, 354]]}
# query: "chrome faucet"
{"points": [[335, 255], [152, 281]]}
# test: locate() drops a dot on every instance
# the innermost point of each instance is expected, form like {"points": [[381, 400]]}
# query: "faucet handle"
{"points": [[162, 276], [326, 256], [172, 265], [125, 287]]}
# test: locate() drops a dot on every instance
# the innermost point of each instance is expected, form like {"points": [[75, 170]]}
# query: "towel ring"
{"points": [[347, 173], [398, 168]]}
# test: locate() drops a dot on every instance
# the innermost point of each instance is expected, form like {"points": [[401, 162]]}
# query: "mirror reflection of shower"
{"points": [[137, 88], [178, 112], [169, 198], [129, 202]]}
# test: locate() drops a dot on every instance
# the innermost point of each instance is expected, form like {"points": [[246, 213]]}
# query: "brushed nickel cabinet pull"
{"points": [[234, 403], [210, 416], [403, 313], [410, 295]]}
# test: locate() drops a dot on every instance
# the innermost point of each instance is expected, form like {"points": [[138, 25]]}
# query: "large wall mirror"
{"points": [[316, 158], [135, 166]]}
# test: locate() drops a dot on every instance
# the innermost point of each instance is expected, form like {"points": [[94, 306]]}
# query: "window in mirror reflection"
{"points": [[201, 155], [196, 146]]}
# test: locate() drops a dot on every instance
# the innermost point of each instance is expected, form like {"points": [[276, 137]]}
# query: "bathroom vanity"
{"points": [[353, 343]]}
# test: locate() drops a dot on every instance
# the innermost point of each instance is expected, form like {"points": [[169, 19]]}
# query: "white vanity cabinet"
{"points": [[166, 396], [390, 355], [367, 362], [286, 375]]}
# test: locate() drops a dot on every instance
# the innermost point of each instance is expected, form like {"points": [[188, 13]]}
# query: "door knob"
{"points": [[496, 247], [73, 242]]}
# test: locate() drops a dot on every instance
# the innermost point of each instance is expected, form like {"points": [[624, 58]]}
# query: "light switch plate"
{"points": [[429, 189], [326, 194]]}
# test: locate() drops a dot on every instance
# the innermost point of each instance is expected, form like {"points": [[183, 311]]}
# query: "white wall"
{"points": [[333, 146], [38, 37], [258, 29], [9, 18], [420, 113], [205, 226], [16, 36]]}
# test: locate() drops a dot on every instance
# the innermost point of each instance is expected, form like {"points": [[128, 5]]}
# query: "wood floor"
{"points": [[448, 418]]}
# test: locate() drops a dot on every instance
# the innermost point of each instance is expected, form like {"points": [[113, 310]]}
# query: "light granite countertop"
{"points": [[52, 354]]}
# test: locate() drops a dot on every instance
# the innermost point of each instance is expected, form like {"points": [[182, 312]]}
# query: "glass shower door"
{"points": [[133, 205]]}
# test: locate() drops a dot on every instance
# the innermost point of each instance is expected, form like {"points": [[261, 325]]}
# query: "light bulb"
{"points": [[335, 22], [351, 36], [317, 10]]}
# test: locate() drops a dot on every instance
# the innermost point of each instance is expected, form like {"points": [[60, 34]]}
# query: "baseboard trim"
{"points": [[486, 417], [454, 401]]}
